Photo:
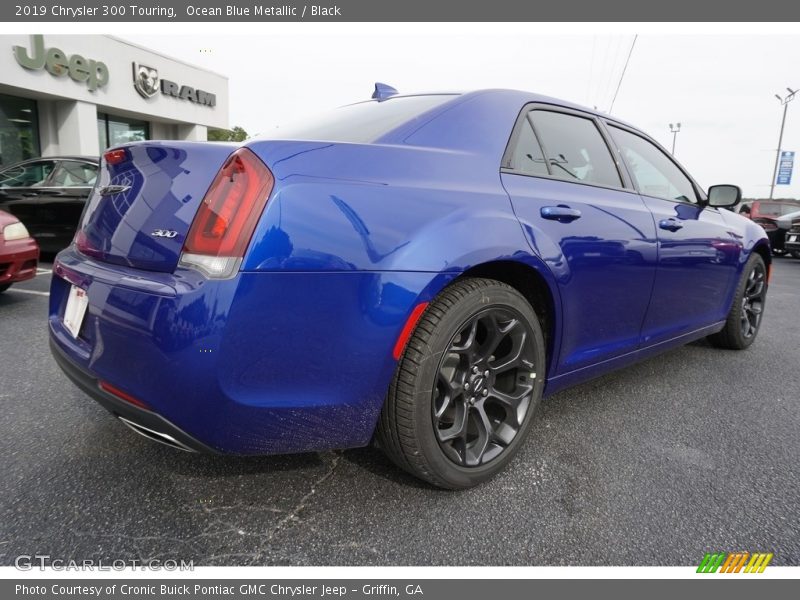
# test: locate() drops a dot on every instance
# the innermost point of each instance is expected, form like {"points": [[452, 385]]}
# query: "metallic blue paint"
{"points": [[295, 352]]}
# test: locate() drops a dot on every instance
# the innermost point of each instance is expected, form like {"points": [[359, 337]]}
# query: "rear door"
{"points": [[61, 202], [698, 253], [20, 186], [582, 218]]}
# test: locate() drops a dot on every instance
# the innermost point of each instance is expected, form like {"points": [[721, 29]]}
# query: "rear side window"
{"points": [[362, 122], [28, 175], [74, 174], [653, 171], [527, 157], [574, 148]]}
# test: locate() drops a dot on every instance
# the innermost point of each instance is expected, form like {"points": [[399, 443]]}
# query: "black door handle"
{"points": [[561, 213], [670, 224]]}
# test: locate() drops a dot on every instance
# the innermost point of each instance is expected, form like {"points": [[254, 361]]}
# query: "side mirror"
{"points": [[724, 196]]}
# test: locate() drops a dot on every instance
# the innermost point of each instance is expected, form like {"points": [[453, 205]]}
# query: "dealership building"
{"points": [[80, 94]]}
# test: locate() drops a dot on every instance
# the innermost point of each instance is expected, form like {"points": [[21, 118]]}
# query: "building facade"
{"points": [[80, 94]]}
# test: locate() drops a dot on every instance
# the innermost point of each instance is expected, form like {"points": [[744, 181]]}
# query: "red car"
{"points": [[19, 252], [766, 213]]}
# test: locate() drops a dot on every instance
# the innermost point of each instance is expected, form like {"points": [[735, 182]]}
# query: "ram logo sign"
{"points": [[735, 562], [147, 82]]}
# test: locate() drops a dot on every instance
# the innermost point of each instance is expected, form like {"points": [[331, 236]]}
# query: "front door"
{"points": [[596, 236], [698, 253]]}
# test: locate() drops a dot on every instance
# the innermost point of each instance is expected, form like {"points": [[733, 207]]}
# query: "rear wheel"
{"points": [[467, 386], [744, 320], [796, 253], [3, 288]]}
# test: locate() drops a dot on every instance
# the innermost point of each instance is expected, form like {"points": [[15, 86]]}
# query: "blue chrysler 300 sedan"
{"points": [[419, 270]]}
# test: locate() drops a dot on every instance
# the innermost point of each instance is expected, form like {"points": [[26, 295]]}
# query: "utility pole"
{"points": [[785, 102], [674, 129]]}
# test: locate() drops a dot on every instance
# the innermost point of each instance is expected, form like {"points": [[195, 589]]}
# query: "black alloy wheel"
{"points": [[467, 386], [747, 312], [484, 386], [753, 300]]}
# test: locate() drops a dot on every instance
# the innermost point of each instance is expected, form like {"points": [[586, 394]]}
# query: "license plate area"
{"points": [[75, 311]]}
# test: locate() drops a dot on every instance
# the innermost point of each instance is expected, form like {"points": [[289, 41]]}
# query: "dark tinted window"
{"points": [[28, 175], [653, 171], [362, 122], [575, 149], [527, 157]]}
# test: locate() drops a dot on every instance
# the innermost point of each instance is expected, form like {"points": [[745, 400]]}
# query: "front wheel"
{"points": [[744, 319], [4, 287], [467, 386]]}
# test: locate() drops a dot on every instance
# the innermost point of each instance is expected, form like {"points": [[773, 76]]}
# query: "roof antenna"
{"points": [[383, 91]]}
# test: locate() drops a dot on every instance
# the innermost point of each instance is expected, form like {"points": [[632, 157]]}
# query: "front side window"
{"points": [[653, 171], [575, 149], [74, 174], [31, 174]]}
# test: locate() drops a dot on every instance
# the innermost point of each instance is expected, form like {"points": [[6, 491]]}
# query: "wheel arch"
{"points": [[537, 286], [762, 248]]}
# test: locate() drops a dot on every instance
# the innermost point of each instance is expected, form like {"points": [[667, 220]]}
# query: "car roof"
{"points": [[77, 157], [524, 97]]}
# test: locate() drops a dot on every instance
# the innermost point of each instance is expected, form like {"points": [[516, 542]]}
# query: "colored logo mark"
{"points": [[735, 562]]}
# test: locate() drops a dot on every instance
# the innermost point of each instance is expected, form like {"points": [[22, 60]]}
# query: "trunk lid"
{"points": [[142, 207]]}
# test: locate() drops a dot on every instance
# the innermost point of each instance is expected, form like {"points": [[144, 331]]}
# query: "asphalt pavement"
{"points": [[693, 451]]}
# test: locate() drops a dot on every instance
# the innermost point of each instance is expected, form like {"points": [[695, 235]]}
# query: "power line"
{"points": [[622, 75]]}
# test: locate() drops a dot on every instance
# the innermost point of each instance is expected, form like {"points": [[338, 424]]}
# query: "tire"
{"points": [[3, 288], [744, 319], [467, 386], [796, 253]]}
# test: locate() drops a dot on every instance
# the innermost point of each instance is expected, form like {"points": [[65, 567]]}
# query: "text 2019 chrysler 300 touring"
{"points": [[419, 270]]}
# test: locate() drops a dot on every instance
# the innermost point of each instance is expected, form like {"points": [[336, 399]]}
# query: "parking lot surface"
{"points": [[693, 451]]}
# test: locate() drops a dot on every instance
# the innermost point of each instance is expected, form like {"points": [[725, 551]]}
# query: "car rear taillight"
{"points": [[224, 224], [85, 246], [114, 157]]}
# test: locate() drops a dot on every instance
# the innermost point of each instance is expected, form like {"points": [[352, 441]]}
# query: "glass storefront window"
{"points": [[112, 130], [19, 129]]}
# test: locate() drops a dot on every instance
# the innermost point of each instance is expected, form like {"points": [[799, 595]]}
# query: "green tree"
{"points": [[237, 134]]}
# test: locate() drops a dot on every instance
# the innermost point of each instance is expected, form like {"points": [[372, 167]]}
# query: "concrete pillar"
{"points": [[48, 127], [77, 128], [162, 131], [193, 133]]}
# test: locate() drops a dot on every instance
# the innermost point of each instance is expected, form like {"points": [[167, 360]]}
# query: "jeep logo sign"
{"points": [[147, 83], [55, 61]]}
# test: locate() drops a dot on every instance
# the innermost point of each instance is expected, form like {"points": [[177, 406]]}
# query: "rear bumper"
{"points": [[18, 260], [142, 421], [264, 363]]}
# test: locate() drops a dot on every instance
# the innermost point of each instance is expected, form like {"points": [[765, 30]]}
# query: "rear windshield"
{"points": [[362, 122], [775, 209]]}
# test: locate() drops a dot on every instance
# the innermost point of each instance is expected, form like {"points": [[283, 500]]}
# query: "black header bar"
{"points": [[401, 11]]}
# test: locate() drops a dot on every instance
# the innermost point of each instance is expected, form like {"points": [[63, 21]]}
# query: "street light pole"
{"points": [[674, 129], [785, 102]]}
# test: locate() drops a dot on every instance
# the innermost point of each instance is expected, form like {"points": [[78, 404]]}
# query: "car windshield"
{"points": [[362, 122]]}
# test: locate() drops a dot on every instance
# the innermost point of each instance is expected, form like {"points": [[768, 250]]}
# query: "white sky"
{"points": [[720, 87]]}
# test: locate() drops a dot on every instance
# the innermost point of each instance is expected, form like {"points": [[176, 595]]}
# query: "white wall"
{"points": [[118, 94]]}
